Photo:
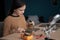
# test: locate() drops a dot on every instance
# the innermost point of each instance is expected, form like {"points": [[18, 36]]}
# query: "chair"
{"points": [[1, 29]]}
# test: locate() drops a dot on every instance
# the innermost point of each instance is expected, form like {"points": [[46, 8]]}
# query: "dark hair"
{"points": [[16, 4]]}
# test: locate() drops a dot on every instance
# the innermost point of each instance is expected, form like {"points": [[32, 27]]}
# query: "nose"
{"points": [[22, 11]]}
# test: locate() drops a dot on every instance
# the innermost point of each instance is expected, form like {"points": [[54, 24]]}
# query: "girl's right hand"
{"points": [[20, 30]]}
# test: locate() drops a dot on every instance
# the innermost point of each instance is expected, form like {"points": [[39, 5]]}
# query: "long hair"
{"points": [[16, 4]]}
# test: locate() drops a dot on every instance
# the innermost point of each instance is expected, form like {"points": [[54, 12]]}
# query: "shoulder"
{"points": [[8, 18]]}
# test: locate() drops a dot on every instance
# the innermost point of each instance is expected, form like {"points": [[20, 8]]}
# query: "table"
{"points": [[15, 36]]}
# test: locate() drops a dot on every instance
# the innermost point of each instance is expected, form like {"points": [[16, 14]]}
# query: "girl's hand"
{"points": [[20, 30]]}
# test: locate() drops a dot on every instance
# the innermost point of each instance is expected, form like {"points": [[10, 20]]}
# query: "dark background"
{"points": [[45, 8], [2, 12]]}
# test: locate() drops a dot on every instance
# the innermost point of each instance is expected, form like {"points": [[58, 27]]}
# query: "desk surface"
{"points": [[15, 36]]}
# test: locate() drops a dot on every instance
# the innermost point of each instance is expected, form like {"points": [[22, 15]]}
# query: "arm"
{"points": [[7, 25]]}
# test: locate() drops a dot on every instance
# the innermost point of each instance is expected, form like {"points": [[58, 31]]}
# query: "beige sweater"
{"points": [[11, 23]]}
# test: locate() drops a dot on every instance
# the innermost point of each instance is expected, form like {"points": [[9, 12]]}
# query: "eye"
{"points": [[21, 9]]}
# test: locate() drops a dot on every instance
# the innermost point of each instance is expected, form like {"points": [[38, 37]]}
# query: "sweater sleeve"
{"points": [[7, 25]]}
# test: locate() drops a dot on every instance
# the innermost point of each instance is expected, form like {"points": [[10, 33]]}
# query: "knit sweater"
{"points": [[12, 23]]}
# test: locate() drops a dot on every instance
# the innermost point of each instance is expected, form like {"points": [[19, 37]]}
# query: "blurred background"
{"points": [[44, 9]]}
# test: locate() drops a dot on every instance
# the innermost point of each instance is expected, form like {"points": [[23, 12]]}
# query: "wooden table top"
{"points": [[16, 36]]}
